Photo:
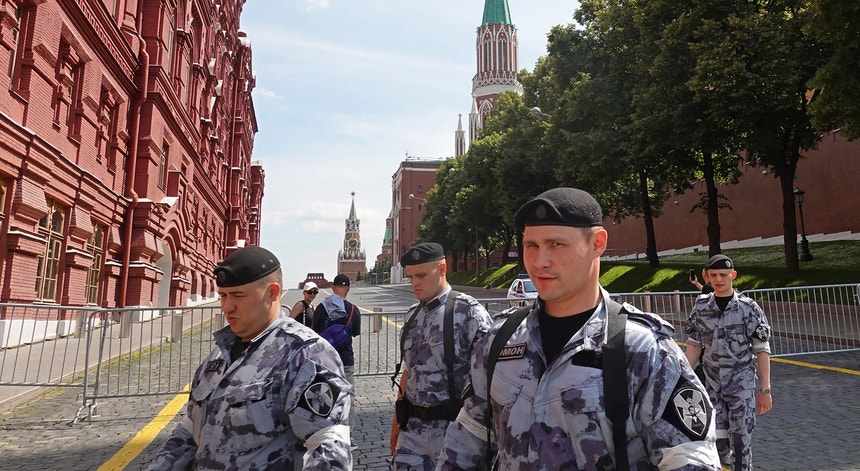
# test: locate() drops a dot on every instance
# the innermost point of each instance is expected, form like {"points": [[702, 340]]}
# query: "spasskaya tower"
{"points": [[351, 260]]}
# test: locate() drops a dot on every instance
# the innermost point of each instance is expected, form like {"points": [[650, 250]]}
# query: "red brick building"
{"points": [[126, 133], [409, 186]]}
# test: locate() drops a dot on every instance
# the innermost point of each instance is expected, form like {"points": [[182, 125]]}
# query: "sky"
{"points": [[345, 91]]}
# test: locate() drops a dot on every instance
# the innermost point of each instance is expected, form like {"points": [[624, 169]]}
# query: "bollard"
{"points": [[218, 320], [377, 320], [125, 318], [647, 301], [175, 327], [676, 301]]}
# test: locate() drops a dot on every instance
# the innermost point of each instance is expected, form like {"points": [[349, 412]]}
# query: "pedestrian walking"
{"points": [[733, 331], [271, 395], [436, 345], [338, 321], [303, 310], [576, 380]]}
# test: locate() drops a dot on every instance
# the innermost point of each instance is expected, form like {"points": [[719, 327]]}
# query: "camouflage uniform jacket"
{"points": [[424, 350], [427, 382], [284, 395], [730, 338], [551, 417]]}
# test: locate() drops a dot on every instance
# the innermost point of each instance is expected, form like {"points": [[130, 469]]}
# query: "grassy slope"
{"points": [[759, 267]]}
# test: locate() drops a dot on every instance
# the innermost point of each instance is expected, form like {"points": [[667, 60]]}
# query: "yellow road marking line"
{"points": [[818, 367], [808, 365], [147, 434]]}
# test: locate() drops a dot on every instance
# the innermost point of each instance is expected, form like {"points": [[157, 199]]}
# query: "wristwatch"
{"points": [[764, 390]]}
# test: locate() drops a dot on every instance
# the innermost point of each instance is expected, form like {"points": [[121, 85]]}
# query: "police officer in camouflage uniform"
{"points": [[546, 404], [271, 394], [733, 331], [425, 403]]}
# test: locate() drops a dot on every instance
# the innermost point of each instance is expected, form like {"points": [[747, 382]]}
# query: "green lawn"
{"points": [[759, 267]]}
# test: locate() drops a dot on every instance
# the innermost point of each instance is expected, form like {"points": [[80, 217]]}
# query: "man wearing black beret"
{"points": [[732, 331], [578, 381], [432, 381], [272, 394]]}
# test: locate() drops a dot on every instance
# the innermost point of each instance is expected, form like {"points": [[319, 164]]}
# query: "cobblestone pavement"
{"points": [[815, 423]]}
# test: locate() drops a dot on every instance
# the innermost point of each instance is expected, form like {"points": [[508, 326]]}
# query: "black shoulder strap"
{"points": [[615, 380], [410, 319], [502, 336], [448, 338]]}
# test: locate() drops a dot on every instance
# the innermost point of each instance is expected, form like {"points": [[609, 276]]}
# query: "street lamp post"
{"points": [[805, 255], [476, 255]]}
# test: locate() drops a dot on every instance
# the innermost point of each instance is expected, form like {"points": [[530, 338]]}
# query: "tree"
{"points": [[594, 73], [753, 64], [836, 25]]}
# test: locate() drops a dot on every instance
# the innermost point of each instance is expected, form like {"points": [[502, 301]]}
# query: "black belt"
{"points": [[447, 410]]}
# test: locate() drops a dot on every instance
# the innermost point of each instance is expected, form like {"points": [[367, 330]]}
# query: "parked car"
{"points": [[524, 289]]}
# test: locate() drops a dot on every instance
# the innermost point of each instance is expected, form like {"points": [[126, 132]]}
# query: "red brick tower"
{"points": [[351, 260]]}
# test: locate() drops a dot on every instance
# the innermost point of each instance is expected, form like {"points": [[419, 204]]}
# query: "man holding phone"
{"points": [[706, 288]]}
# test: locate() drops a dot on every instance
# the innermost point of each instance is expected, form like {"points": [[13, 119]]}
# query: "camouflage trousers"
{"points": [[735, 421], [418, 447]]}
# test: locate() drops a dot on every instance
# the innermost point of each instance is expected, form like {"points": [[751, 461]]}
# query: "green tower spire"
{"points": [[496, 12]]}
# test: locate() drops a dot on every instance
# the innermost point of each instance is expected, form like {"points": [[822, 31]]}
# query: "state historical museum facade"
{"points": [[126, 132]]}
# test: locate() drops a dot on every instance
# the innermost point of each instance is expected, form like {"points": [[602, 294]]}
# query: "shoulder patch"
{"points": [[762, 332], [319, 397], [689, 410]]}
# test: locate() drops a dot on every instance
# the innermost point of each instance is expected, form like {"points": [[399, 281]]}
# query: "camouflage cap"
{"points": [[560, 207], [244, 266], [422, 253]]}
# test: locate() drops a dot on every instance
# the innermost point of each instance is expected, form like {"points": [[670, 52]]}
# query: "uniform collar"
{"points": [[438, 300]]}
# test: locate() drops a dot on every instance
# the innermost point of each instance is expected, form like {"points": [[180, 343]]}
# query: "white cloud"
{"points": [[344, 91], [317, 5]]}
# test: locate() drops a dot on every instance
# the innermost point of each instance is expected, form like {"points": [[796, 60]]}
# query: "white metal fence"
{"points": [[110, 353]]}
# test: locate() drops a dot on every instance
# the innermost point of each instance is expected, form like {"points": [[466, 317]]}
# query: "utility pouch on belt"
{"points": [[402, 407]]}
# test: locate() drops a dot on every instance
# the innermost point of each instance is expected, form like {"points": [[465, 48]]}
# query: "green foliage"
{"points": [[835, 262], [835, 24]]}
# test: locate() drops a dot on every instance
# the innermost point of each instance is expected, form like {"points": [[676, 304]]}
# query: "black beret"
{"points": [[719, 262], [560, 207], [244, 266], [341, 280], [422, 253]]}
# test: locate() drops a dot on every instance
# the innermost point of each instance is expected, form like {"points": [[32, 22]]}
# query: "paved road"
{"points": [[815, 424]]}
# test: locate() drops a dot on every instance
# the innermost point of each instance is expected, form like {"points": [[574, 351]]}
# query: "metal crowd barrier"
{"points": [[113, 353], [804, 320], [107, 353]]}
